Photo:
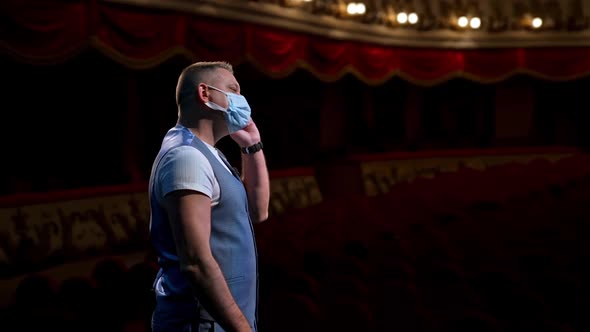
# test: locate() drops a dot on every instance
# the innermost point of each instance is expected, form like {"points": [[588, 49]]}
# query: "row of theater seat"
{"points": [[115, 296], [500, 249]]}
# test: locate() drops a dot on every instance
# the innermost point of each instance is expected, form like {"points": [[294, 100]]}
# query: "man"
{"points": [[201, 210]]}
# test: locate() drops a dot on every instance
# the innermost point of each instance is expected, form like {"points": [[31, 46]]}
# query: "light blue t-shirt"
{"points": [[186, 168]]}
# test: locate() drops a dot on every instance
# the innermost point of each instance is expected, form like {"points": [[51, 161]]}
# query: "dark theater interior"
{"points": [[428, 159]]}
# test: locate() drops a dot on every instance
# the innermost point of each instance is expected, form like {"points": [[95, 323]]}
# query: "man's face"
{"points": [[225, 81]]}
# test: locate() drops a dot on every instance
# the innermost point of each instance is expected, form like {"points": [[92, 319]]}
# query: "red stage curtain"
{"points": [[50, 31]]}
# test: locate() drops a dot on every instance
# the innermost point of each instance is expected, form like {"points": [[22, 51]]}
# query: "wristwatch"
{"points": [[252, 148]]}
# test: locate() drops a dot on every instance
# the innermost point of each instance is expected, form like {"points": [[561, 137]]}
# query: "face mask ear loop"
{"points": [[226, 96], [216, 89]]}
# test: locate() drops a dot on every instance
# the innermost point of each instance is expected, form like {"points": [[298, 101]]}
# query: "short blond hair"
{"points": [[194, 74]]}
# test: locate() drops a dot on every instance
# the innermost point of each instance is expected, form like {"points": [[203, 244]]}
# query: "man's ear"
{"points": [[202, 92]]}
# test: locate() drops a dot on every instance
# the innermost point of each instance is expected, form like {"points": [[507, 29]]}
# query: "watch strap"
{"points": [[252, 148]]}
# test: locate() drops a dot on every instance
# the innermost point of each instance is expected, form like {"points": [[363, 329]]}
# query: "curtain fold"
{"points": [[276, 52], [52, 31], [43, 31]]}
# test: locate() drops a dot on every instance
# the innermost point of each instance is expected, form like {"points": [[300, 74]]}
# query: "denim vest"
{"points": [[232, 234]]}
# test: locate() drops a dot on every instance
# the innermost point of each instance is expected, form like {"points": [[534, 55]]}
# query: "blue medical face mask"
{"points": [[237, 115]]}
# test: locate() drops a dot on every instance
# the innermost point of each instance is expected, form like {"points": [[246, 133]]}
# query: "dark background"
{"points": [[91, 121]]}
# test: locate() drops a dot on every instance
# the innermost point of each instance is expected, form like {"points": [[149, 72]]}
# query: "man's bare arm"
{"points": [[190, 217], [257, 183]]}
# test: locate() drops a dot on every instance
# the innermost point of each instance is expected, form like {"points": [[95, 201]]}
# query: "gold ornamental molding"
{"points": [[451, 24]]}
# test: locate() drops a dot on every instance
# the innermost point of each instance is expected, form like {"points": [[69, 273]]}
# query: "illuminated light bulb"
{"points": [[360, 8], [537, 22], [351, 8], [475, 22], [413, 18], [402, 17], [462, 21]]}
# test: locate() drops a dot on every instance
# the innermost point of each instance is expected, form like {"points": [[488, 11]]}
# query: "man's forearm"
{"points": [[257, 184], [213, 292]]}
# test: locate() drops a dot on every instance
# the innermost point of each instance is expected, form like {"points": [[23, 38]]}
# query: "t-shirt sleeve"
{"points": [[185, 168]]}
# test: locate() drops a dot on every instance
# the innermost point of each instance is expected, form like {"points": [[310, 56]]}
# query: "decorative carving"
{"points": [[415, 23], [494, 15]]}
